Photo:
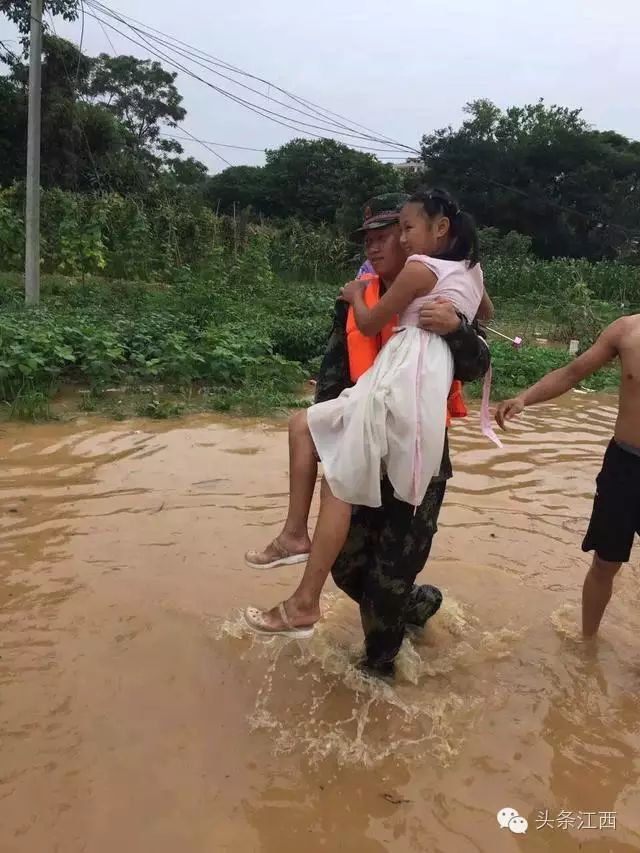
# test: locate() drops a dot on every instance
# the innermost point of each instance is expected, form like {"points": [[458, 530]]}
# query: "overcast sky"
{"points": [[403, 68]]}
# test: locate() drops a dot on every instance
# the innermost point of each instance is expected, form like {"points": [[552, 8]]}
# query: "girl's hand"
{"points": [[349, 291]]}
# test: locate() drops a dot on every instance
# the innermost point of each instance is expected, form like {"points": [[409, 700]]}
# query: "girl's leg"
{"points": [[303, 472], [294, 539], [332, 527]]}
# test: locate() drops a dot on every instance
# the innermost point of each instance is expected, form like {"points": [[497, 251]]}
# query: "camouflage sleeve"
{"points": [[334, 377], [471, 356]]}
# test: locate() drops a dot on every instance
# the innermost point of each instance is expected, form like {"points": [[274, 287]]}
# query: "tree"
{"points": [[139, 93], [316, 181], [89, 144], [19, 11], [77, 136], [239, 186], [544, 172], [13, 113], [185, 173], [325, 181]]}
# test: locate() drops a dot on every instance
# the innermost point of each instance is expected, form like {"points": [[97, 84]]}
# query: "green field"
{"points": [[241, 339], [160, 307]]}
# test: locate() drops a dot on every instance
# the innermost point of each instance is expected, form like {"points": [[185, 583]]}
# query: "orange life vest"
{"points": [[363, 350]]}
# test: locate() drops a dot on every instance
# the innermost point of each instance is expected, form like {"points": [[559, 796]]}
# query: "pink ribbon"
{"points": [[417, 459], [485, 415]]}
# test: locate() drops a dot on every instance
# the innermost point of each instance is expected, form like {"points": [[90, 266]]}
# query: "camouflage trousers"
{"points": [[386, 549]]}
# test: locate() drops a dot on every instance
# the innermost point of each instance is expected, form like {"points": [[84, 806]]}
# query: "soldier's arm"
{"points": [[334, 377], [471, 357]]}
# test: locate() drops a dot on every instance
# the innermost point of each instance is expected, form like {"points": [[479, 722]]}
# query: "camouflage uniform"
{"points": [[388, 546]]}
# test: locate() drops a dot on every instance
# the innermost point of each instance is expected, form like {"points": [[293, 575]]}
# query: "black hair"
{"points": [[463, 245]]}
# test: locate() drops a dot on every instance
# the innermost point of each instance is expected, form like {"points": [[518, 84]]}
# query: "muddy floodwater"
{"points": [[138, 716]]}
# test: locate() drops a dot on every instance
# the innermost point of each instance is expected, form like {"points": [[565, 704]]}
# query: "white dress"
{"points": [[394, 418]]}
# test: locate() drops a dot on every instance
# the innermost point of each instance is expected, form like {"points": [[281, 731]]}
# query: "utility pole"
{"points": [[32, 247]]}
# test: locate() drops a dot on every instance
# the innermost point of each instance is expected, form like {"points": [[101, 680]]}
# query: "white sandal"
{"points": [[255, 620], [283, 557]]}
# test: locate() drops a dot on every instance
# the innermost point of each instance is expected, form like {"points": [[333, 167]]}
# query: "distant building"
{"points": [[410, 166]]}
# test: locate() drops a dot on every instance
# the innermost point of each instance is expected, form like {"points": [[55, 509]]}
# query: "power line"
{"points": [[277, 118], [263, 150], [81, 45], [14, 56], [327, 125], [208, 142], [225, 161], [81, 126], [206, 145], [108, 37], [317, 110], [249, 104]]}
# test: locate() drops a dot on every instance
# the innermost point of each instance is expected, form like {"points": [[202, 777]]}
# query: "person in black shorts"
{"points": [[616, 508]]}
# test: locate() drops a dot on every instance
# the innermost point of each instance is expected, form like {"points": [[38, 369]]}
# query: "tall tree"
{"points": [[544, 172], [317, 181], [324, 180], [89, 143], [139, 93]]}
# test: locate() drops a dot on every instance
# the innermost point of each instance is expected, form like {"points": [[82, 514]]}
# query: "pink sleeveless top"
{"points": [[457, 281]]}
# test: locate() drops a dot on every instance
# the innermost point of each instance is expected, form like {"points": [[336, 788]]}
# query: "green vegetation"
{"points": [[176, 339], [147, 238], [109, 123], [236, 336]]}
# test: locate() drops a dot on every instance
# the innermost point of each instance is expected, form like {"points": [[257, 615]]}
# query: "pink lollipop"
{"points": [[517, 341]]}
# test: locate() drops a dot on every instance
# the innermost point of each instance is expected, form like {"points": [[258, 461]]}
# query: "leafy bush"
{"points": [[156, 238]]}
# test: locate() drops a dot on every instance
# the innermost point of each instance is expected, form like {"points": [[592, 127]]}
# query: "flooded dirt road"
{"points": [[137, 715]]}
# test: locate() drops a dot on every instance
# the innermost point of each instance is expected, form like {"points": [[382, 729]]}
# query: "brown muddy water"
{"points": [[137, 715]]}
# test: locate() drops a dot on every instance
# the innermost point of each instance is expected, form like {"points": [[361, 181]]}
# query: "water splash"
{"points": [[313, 699], [565, 620]]}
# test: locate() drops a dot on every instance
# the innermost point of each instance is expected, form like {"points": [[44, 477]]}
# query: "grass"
{"points": [[243, 344]]}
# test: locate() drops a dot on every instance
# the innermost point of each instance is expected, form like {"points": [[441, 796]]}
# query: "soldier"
{"points": [[387, 546]]}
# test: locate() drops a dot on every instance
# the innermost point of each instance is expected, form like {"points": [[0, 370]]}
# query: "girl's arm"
{"points": [[414, 279], [485, 309]]}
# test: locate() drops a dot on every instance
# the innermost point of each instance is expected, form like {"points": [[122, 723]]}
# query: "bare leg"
{"points": [[303, 471], [303, 608], [596, 593]]}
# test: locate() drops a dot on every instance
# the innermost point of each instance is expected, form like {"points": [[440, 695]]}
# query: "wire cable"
{"points": [[277, 118], [319, 111], [328, 125]]}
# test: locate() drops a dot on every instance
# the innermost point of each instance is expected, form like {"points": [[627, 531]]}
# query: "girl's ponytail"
{"points": [[465, 238], [463, 243]]}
